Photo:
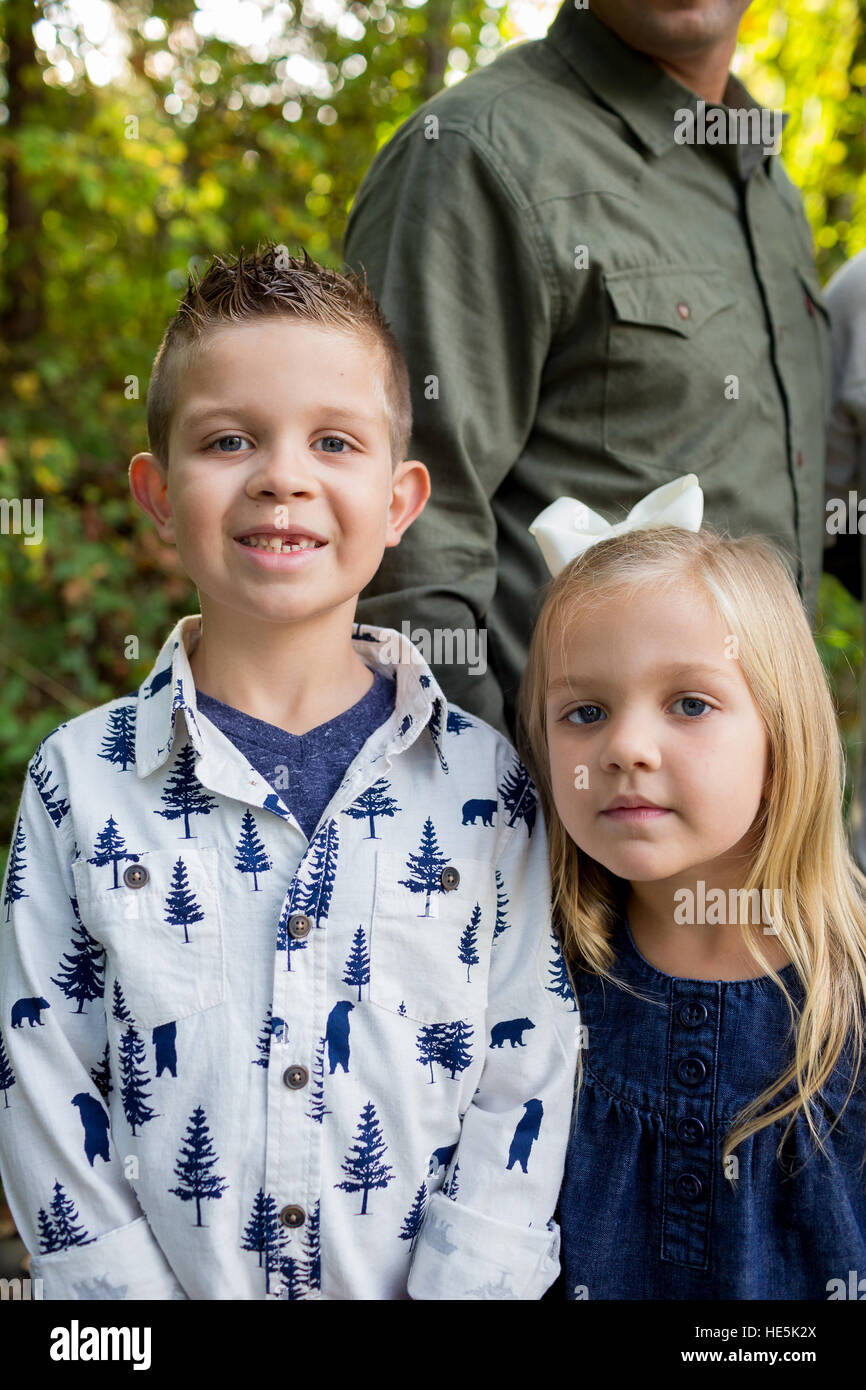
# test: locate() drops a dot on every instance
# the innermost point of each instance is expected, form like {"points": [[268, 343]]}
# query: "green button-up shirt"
{"points": [[588, 307]]}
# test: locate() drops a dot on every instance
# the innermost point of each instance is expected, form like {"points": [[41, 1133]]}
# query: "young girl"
{"points": [[678, 723]]}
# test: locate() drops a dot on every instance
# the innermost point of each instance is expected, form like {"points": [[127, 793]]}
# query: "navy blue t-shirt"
{"points": [[308, 767]]}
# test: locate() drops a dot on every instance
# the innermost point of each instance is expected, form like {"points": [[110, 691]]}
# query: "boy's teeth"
{"points": [[277, 543]]}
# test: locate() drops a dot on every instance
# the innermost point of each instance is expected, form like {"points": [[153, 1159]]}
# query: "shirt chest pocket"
{"points": [[161, 929], [673, 348], [430, 939]]}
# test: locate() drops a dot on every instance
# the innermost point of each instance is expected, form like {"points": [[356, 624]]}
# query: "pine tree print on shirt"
{"points": [[373, 803], [446, 1045], [425, 867], [101, 1075], [82, 976], [434, 724], [502, 922], [49, 1241], [468, 953], [560, 983], [118, 745], [264, 1235], [119, 1009], [195, 1182], [363, 1163], [293, 1279], [134, 1080], [318, 1110], [452, 1186], [7, 1075], [411, 1228], [252, 857], [56, 806], [357, 972], [313, 1260], [15, 870], [284, 940], [183, 794], [518, 796], [182, 908], [314, 897], [65, 1228], [264, 1042], [110, 848], [457, 722]]}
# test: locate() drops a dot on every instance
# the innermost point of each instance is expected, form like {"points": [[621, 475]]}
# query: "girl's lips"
{"points": [[277, 560], [636, 813]]}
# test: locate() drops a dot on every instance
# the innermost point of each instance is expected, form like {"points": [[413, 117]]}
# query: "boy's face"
{"points": [[280, 426], [660, 711]]}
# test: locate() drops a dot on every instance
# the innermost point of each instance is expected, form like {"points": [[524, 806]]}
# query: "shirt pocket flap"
{"points": [[679, 301], [161, 930], [430, 945]]}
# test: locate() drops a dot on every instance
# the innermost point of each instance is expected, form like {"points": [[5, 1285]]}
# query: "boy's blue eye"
{"points": [[692, 700], [332, 439], [591, 710], [237, 440]]}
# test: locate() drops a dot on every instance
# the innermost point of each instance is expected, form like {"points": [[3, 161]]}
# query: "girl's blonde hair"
{"points": [[802, 845]]}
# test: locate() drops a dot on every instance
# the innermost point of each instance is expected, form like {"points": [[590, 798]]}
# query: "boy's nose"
{"points": [[284, 471]]}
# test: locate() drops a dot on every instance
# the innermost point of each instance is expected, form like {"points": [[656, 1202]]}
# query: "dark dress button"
{"points": [[692, 1015], [293, 1216], [691, 1071], [299, 925], [690, 1130], [688, 1187], [135, 876], [449, 878], [296, 1077]]}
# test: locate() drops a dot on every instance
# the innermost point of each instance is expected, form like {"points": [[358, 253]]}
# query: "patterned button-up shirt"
{"points": [[240, 1064]]}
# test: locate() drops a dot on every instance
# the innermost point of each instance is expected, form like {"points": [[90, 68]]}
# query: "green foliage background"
{"points": [[231, 146]]}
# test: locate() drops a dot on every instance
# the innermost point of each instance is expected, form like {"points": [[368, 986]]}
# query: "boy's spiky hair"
{"points": [[271, 283]]}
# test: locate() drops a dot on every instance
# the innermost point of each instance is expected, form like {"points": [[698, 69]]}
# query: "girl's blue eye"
{"points": [[591, 710], [692, 700], [236, 439], [332, 439]]}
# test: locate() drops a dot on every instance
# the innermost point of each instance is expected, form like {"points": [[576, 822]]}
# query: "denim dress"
{"points": [[646, 1210]]}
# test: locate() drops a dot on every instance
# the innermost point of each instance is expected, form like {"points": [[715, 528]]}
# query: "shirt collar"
{"points": [[641, 93], [169, 690]]}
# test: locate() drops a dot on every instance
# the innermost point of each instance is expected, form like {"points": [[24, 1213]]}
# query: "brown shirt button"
{"points": [[799, 460], [299, 925], [293, 1216], [296, 1077], [135, 876], [449, 878]]}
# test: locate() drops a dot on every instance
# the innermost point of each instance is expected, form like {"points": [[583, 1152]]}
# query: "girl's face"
{"points": [[649, 705]]}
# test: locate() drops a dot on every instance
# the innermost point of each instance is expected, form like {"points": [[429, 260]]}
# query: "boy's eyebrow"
{"points": [[688, 668], [334, 412]]}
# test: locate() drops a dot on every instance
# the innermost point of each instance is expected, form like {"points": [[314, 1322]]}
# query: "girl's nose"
{"points": [[630, 742]]}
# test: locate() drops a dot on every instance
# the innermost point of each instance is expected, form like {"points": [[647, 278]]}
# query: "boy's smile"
{"points": [[281, 498], [280, 432]]}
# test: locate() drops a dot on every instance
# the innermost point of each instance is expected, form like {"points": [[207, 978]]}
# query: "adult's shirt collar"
{"points": [[639, 91]]}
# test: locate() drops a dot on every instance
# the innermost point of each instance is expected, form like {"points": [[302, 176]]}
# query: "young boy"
{"points": [[282, 1012]]}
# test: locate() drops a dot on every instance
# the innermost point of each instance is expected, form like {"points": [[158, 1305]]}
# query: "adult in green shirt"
{"points": [[591, 303]]}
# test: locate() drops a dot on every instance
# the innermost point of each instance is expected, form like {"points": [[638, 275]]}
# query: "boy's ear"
{"points": [[410, 489], [148, 484]]}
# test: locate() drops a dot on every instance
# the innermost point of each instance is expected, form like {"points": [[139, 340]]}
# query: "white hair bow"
{"points": [[567, 527]]}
